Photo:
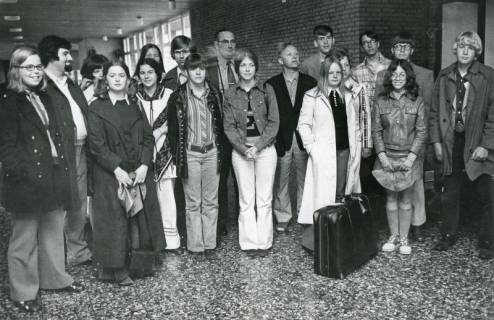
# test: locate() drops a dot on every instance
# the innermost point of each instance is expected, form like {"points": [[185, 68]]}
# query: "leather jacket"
{"points": [[398, 124], [177, 136]]}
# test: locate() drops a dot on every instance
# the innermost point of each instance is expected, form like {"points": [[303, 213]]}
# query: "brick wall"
{"points": [[260, 24]]}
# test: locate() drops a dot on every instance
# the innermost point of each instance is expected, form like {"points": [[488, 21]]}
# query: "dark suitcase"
{"points": [[344, 237]]}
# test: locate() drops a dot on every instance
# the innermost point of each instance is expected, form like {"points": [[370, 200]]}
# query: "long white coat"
{"points": [[317, 130]]}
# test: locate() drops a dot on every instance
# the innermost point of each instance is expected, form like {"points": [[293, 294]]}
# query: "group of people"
{"points": [[155, 152]]}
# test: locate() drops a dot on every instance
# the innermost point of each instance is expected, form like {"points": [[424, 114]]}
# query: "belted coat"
{"points": [[317, 130]]}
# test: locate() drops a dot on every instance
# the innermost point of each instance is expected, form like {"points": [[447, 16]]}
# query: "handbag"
{"points": [[141, 261]]}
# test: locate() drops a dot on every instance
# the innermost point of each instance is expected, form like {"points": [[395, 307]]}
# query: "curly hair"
{"points": [[411, 85]]}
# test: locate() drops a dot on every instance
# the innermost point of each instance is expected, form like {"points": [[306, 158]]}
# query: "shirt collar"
{"points": [[57, 80], [256, 86], [114, 99], [295, 78], [337, 90], [380, 58], [397, 96], [191, 92]]}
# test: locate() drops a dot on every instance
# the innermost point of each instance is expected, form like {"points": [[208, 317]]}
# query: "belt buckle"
{"points": [[203, 148]]}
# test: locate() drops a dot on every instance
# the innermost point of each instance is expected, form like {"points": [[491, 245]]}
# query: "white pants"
{"points": [[166, 199], [255, 180]]}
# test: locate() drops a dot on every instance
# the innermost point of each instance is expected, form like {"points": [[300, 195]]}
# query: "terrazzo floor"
{"points": [[230, 285]]}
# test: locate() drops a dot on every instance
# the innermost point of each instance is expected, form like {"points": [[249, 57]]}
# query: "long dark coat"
{"points": [[32, 182], [106, 145]]}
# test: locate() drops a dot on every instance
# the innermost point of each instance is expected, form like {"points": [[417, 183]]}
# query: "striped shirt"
{"points": [[200, 120]]}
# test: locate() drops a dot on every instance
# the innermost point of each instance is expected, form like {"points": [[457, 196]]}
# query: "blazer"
{"points": [[289, 113], [32, 182], [479, 118]]}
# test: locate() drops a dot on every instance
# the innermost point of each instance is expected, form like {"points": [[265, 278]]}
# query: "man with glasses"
{"points": [[180, 48], [374, 61], [402, 47], [461, 125], [221, 73], [71, 109], [366, 74], [323, 41]]}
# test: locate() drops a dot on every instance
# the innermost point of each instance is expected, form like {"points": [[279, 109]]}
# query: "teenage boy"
{"points": [[195, 135], [180, 48], [461, 126], [323, 41], [289, 87]]}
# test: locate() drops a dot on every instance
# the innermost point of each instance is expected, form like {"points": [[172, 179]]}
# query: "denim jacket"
{"points": [[398, 124], [265, 109]]}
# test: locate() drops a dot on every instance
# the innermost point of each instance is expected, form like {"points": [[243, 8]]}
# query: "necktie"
{"points": [[41, 111], [230, 74]]}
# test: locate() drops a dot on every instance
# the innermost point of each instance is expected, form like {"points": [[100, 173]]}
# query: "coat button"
{"points": [[66, 169], [40, 176], [32, 138], [61, 157], [38, 163], [35, 150]]}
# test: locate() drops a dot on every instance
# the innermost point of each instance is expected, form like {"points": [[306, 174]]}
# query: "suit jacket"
{"points": [[212, 74], [289, 113], [63, 113], [170, 80], [312, 66], [479, 118], [32, 182]]}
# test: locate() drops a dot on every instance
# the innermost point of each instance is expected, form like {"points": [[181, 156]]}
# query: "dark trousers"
{"points": [[457, 189], [180, 203], [224, 199]]}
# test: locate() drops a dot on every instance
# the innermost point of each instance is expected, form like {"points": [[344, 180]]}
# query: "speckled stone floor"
{"points": [[230, 285]]}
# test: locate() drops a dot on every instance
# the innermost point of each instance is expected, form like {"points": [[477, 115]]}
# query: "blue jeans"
{"points": [[201, 199]]}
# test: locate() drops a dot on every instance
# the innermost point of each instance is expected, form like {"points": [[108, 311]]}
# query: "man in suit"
{"points": [[180, 48], [70, 110], [289, 87], [221, 73], [402, 47], [323, 41]]}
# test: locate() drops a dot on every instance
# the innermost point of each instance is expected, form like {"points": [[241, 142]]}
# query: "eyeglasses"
{"points": [[369, 42], [32, 67], [226, 42], [398, 76], [402, 47]]}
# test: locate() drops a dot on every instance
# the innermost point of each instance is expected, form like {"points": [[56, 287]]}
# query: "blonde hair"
{"points": [[470, 38], [17, 57]]}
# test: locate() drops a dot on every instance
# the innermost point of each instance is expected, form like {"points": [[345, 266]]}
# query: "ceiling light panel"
{"points": [[12, 18]]}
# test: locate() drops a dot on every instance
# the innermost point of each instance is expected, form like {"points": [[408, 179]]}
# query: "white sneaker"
{"points": [[391, 244], [405, 247]]}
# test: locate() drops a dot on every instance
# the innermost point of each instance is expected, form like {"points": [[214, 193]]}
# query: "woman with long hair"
{"points": [[36, 183], [251, 122], [152, 98], [330, 131], [399, 133], [121, 143]]}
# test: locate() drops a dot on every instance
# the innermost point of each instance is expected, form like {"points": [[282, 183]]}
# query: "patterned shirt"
{"points": [[366, 73], [200, 120]]}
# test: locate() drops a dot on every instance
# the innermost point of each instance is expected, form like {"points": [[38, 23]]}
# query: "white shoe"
{"points": [[405, 247], [391, 244]]}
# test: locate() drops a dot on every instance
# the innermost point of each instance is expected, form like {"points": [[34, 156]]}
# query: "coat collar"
{"points": [[29, 112], [108, 112]]}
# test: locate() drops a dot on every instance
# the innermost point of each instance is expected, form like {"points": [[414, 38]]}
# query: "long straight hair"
{"points": [[322, 82], [17, 57]]}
